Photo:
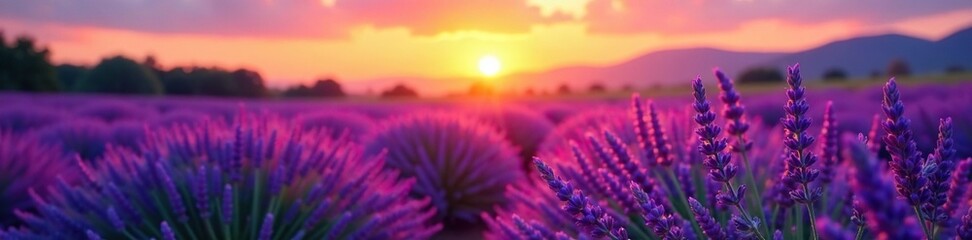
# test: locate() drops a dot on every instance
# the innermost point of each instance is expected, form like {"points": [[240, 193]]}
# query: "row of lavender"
{"points": [[214, 169]]}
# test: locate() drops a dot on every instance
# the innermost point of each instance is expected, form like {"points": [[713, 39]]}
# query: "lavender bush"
{"points": [[256, 179], [606, 186], [521, 127], [461, 164], [86, 138], [25, 164], [352, 124], [20, 119]]}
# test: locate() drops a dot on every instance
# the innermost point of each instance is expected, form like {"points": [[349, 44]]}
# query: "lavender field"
{"points": [[882, 161]]}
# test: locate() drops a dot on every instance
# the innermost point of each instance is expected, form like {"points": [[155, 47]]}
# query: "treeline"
{"points": [[25, 66]]}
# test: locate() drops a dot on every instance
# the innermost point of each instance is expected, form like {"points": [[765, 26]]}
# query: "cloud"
{"points": [[287, 18], [692, 16], [338, 18]]}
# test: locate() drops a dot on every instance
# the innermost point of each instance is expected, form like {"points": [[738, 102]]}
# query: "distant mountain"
{"points": [[857, 56], [864, 55], [656, 68]]}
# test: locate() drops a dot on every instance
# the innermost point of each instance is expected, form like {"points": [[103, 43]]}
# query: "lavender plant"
{"points": [[26, 164], [675, 196], [252, 180], [461, 164], [21, 118], [353, 124], [86, 138], [523, 128]]}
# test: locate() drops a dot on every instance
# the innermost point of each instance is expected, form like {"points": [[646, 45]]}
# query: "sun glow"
{"points": [[489, 65]]}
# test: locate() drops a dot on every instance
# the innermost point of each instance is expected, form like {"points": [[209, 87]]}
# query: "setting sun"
{"points": [[489, 65]]}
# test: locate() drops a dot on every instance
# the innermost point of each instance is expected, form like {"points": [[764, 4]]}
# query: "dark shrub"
{"points": [[120, 75], [760, 75]]}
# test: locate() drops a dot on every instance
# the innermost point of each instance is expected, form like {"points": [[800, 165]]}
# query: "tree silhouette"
{"points": [[400, 91], [327, 88], [120, 75], [835, 75], [178, 82], [481, 89], [899, 68], [954, 69], [26, 67], [563, 89], [68, 76], [761, 75], [249, 83], [596, 88]]}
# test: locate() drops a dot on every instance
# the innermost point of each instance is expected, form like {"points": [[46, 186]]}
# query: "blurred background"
{"points": [[433, 49]]}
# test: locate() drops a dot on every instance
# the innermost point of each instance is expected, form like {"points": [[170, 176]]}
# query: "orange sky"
{"points": [[376, 51]]}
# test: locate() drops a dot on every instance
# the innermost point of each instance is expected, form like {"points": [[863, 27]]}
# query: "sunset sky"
{"points": [[294, 41]]}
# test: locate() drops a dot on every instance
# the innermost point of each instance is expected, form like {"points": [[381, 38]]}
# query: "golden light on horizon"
{"points": [[489, 65]]}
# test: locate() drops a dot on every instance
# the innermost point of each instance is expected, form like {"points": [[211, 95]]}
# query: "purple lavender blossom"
{"points": [[588, 214], [719, 164], [522, 127], [733, 112], [461, 164], [330, 180], [82, 137], [799, 160], [964, 229], [662, 222], [830, 140], [338, 123], [959, 186], [884, 217], [905, 161], [658, 138], [26, 164], [643, 131], [939, 182], [710, 227]]}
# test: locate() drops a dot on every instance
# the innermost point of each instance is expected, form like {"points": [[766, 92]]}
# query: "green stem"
{"points": [[209, 230], [682, 200], [759, 234], [255, 206], [921, 220], [754, 195], [813, 222], [860, 233], [189, 229]]}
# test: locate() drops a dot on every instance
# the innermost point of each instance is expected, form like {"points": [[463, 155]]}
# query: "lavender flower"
{"points": [[965, 227], [26, 164], [830, 137], [82, 137], [643, 131], [889, 218], [710, 227], [522, 127], [461, 164], [719, 164], [662, 148], [938, 182], [657, 217], [831, 230], [338, 123], [329, 183], [589, 214], [905, 161], [22, 118], [733, 112], [959, 186], [110, 111], [799, 161]]}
